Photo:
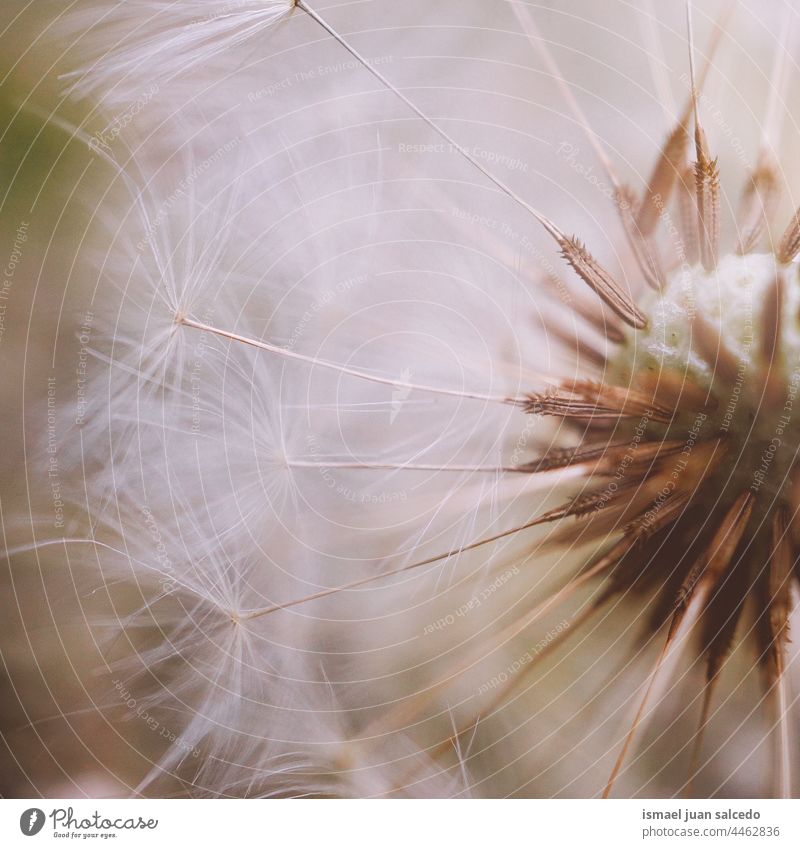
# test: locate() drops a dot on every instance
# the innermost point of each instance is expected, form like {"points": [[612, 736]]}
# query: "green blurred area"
{"points": [[54, 740]]}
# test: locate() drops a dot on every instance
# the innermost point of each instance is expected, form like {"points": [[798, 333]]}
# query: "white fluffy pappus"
{"points": [[351, 342], [139, 45], [240, 281], [187, 449], [245, 701]]}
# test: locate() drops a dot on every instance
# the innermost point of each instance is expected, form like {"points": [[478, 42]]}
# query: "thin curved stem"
{"points": [[343, 369]]}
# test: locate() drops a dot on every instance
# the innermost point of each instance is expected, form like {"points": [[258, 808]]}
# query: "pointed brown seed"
{"points": [[600, 500], [598, 279], [647, 452], [662, 181], [573, 342], [584, 399], [721, 616], [702, 463], [759, 199], [657, 516], [632, 500], [790, 243], [638, 484], [673, 388], [771, 320], [590, 502], [605, 322], [779, 580], [780, 577], [705, 171], [565, 457], [705, 573], [654, 674], [706, 176], [607, 456], [585, 307], [672, 159], [770, 336], [687, 211], [676, 627], [708, 344], [792, 493]]}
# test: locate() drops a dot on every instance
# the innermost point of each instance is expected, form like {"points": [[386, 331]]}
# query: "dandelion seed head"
{"points": [[715, 333], [139, 46], [730, 297], [707, 531]]}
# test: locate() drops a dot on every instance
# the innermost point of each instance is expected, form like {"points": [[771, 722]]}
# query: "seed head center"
{"points": [[731, 335]]}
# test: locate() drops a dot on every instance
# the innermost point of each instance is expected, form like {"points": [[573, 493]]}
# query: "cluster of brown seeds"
{"points": [[709, 507], [690, 454]]}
